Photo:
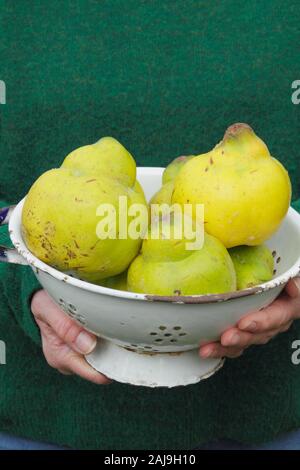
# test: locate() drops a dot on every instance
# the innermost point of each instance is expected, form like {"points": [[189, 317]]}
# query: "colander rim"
{"points": [[38, 265]]}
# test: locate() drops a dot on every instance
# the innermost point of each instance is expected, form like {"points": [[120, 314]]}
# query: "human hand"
{"points": [[64, 341], [258, 327]]}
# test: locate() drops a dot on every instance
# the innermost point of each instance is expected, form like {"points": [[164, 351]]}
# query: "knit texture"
{"points": [[165, 78]]}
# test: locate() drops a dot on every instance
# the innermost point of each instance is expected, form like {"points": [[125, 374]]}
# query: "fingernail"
{"points": [[207, 352], [296, 281], [235, 339], [250, 326], [85, 342]]}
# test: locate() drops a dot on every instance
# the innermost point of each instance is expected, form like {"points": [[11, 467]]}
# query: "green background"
{"points": [[164, 77]]}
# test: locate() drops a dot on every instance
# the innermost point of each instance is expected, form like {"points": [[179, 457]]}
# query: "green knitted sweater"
{"points": [[165, 78]]}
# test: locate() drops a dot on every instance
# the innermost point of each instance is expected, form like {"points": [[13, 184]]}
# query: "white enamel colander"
{"points": [[153, 340]]}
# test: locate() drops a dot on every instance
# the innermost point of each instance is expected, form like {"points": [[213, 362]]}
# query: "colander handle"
{"points": [[9, 255]]}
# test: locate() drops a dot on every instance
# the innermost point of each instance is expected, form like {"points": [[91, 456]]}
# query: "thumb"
{"points": [[44, 309], [293, 288]]}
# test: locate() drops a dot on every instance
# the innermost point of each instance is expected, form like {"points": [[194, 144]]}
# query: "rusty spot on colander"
{"points": [[203, 299], [153, 353]]}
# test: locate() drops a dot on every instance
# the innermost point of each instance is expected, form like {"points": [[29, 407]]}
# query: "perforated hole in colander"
{"points": [[168, 334]]}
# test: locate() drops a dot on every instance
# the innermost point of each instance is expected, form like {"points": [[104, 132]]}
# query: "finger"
{"points": [[45, 310], [278, 314], [241, 339], [76, 364], [65, 372], [215, 350], [236, 338], [234, 341], [61, 357], [293, 288], [285, 327]]}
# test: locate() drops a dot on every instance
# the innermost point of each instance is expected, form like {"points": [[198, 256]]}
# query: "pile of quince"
{"points": [[245, 193]]}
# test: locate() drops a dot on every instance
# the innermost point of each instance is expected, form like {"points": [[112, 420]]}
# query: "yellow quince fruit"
{"points": [[61, 212], [245, 191]]}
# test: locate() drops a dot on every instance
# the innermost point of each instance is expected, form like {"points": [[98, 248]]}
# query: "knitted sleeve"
{"points": [[18, 284]]}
